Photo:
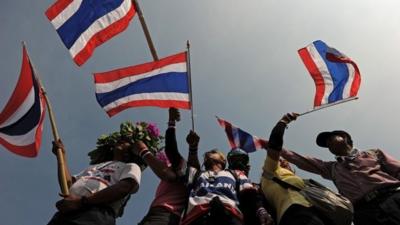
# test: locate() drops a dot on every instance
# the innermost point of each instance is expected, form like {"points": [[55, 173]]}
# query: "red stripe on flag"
{"points": [[57, 8], [315, 74], [103, 36], [22, 89], [155, 103], [229, 132], [138, 69]]}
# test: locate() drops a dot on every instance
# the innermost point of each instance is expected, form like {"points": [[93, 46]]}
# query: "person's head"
{"points": [[214, 159], [238, 159], [338, 142]]}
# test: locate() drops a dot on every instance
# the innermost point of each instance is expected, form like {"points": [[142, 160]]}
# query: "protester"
{"points": [[291, 207], [370, 179], [252, 203], [99, 193], [169, 166], [213, 197]]}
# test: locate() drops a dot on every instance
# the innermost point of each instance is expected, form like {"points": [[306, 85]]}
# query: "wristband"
{"points": [[143, 153], [171, 123]]}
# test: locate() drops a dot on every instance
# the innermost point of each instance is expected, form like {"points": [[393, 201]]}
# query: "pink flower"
{"points": [[153, 130]]}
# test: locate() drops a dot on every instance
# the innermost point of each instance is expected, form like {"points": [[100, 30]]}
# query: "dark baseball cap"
{"points": [[324, 136]]}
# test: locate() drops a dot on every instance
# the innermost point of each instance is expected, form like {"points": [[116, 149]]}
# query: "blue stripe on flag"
{"points": [[88, 12], [28, 121], [167, 82], [246, 141], [338, 71]]}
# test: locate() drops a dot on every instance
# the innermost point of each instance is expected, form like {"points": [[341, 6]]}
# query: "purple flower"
{"points": [[153, 130]]}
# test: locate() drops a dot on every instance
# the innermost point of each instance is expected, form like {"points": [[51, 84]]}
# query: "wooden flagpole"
{"points": [[329, 105], [189, 70], [59, 154], [145, 30]]}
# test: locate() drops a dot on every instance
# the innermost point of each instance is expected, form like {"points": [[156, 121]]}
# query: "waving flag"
{"points": [[241, 139], [335, 75], [22, 118], [163, 83], [85, 24]]}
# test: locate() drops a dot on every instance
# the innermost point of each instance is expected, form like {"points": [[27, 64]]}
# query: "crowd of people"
{"points": [[218, 190]]}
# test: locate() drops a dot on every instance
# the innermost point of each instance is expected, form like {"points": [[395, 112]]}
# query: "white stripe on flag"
{"points": [[21, 140], [22, 109], [347, 87], [70, 10], [322, 67], [100, 24], [110, 86], [171, 96]]}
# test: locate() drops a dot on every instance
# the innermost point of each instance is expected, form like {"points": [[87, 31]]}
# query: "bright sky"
{"points": [[245, 69]]}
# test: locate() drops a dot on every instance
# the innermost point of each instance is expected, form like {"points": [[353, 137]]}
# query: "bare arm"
{"points": [[193, 140], [105, 196], [157, 166]]}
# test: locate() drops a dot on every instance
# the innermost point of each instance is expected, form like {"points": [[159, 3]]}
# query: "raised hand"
{"points": [[192, 139], [289, 117], [174, 115]]}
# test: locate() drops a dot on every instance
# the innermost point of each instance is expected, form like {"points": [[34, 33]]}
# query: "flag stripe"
{"points": [[155, 103], [19, 94], [170, 82], [66, 13], [99, 38], [315, 74], [28, 121], [22, 109], [57, 8], [88, 12], [124, 80], [163, 64]]}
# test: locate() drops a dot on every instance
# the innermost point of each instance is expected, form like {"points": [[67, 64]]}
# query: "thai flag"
{"points": [[163, 83], [241, 139], [22, 118], [335, 75], [85, 24]]}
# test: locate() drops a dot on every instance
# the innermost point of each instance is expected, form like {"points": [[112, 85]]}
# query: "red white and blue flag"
{"points": [[163, 83], [22, 118], [336, 76], [239, 138], [85, 24]]}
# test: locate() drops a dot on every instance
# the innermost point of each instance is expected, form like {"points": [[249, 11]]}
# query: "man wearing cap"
{"points": [[370, 179]]}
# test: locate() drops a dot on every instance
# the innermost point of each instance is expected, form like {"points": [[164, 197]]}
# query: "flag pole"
{"points": [[60, 156], [145, 30], [189, 69], [329, 105]]}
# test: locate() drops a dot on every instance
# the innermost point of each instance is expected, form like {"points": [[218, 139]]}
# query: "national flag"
{"points": [[336, 76], [85, 24], [239, 138], [163, 83], [22, 118]]}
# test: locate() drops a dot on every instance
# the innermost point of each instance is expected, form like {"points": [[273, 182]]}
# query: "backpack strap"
{"points": [[284, 184], [237, 180]]}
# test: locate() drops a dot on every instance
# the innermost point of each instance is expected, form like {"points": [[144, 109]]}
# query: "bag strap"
{"points": [[237, 181], [284, 184]]}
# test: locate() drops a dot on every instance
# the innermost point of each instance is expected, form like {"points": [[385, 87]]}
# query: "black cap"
{"points": [[323, 137]]}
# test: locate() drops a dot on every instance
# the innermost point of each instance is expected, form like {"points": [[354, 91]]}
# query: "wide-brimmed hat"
{"points": [[324, 136]]}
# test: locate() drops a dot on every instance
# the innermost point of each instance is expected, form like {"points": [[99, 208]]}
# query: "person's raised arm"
{"points": [[70, 180], [275, 142], [171, 146], [193, 159], [156, 165]]}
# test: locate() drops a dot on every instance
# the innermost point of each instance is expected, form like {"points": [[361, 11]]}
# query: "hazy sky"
{"points": [[245, 69]]}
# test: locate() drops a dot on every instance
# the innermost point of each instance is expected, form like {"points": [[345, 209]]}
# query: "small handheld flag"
{"points": [[85, 24], [241, 139], [22, 118], [336, 76], [163, 83]]}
